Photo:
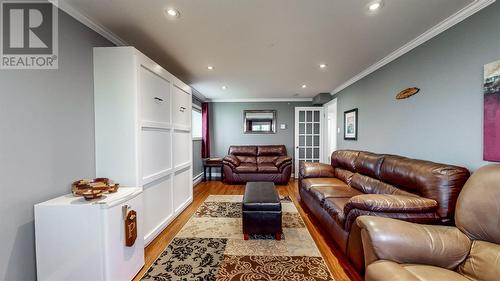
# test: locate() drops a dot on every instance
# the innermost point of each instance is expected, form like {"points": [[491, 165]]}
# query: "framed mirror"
{"points": [[259, 121]]}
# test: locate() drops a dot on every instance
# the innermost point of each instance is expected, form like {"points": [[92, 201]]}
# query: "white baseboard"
{"points": [[197, 179]]}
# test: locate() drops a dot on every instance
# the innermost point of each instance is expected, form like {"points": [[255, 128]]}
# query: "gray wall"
{"points": [[226, 125], [47, 140], [197, 163], [444, 121]]}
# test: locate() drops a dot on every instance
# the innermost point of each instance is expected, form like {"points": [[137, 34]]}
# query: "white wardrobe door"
{"points": [[156, 147], [182, 147], [155, 96], [181, 108], [182, 188], [157, 207]]}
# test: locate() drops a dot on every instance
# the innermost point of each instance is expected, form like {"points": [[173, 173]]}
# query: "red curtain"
{"points": [[205, 142]]}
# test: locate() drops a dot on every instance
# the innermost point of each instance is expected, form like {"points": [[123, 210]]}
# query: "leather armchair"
{"points": [[398, 250], [257, 163]]}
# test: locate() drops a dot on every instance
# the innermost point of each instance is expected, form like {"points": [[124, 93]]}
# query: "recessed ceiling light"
{"points": [[224, 87], [374, 6], [173, 12], [304, 86], [322, 66], [210, 67]]}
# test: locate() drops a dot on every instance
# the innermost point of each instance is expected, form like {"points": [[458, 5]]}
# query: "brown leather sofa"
{"points": [[403, 251], [257, 163], [362, 183]]}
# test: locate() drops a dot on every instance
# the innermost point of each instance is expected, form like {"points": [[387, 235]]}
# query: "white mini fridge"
{"points": [[85, 240]]}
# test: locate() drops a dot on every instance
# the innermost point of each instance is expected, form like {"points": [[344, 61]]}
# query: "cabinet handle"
{"points": [[158, 99], [182, 109]]}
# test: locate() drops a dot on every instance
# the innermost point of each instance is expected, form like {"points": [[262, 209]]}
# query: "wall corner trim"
{"points": [[449, 22], [89, 22]]}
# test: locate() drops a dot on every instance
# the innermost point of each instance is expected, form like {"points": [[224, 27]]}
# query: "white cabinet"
{"points": [[157, 206], [143, 132], [181, 107], [155, 96], [181, 177], [85, 240]]}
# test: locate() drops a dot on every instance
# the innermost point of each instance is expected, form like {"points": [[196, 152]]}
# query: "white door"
{"points": [[330, 130], [308, 135]]}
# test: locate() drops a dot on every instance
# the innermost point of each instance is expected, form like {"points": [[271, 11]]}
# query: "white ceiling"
{"points": [[266, 48]]}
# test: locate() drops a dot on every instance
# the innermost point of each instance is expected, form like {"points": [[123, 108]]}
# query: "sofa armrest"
{"points": [[316, 170], [390, 203], [405, 242], [231, 160], [282, 160]]}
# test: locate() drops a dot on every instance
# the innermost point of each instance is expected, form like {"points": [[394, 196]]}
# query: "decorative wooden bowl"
{"points": [[406, 93], [93, 188], [92, 194]]}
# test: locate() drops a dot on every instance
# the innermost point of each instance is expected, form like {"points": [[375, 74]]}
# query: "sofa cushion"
{"points": [[344, 159], [369, 185], [247, 159], [383, 270], [323, 192], [433, 273], [271, 150], [310, 182], [344, 175], [243, 150], [246, 168], [483, 262], [334, 206], [368, 163], [267, 168], [266, 159]]}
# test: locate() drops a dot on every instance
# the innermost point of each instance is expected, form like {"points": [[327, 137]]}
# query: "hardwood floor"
{"points": [[336, 261]]}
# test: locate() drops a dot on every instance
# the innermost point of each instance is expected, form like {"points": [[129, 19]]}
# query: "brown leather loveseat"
{"points": [[401, 251], [362, 183], [257, 163]]}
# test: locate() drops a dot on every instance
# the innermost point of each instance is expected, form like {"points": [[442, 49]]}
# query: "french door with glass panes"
{"points": [[308, 135]]}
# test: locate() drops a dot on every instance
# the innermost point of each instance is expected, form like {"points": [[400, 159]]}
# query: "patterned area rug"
{"points": [[211, 247]]}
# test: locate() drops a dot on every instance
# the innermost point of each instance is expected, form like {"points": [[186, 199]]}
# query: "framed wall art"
{"points": [[351, 124], [491, 132]]}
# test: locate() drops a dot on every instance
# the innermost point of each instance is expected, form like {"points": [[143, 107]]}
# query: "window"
{"points": [[196, 126]]}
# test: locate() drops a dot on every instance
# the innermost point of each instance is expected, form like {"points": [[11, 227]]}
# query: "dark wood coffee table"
{"points": [[261, 210]]}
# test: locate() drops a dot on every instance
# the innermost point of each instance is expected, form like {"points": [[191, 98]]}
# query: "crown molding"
{"points": [[264, 100], [89, 22], [456, 18]]}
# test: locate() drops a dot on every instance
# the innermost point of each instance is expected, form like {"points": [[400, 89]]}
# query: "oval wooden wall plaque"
{"points": [[404, 94]]}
